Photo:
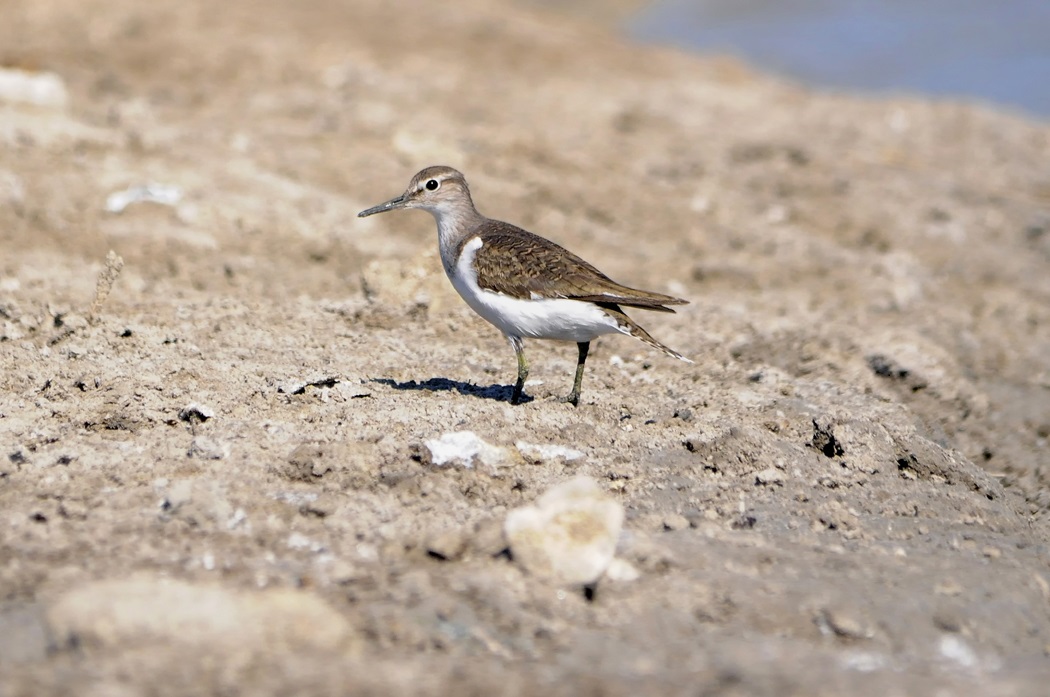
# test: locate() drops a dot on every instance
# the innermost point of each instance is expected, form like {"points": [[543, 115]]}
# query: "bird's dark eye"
{"points": [[433, 184]]}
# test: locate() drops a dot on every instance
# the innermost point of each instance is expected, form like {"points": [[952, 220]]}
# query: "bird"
{"points": [[525, 285]]}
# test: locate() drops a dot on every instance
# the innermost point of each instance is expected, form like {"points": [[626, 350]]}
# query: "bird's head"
{"points": [[439, 190]]}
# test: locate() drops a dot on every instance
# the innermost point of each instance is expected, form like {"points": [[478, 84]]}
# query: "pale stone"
{"points": [[37, 88], [465, 449], [770, 475], [146, 609], [569, 535]]}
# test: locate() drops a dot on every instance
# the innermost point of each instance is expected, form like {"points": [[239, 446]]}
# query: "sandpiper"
{"points": [[524, 284]]}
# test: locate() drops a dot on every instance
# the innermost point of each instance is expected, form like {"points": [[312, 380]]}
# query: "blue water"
{"points": [[989, 50]]}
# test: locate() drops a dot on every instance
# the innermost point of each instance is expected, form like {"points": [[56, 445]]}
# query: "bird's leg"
{"points": [[523, 367], [574, 396]]}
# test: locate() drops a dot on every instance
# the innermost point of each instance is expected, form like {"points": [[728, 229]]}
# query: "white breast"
{"points": [[544, 318]]}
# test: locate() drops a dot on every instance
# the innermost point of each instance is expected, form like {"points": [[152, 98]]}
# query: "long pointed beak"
{"points": [[392, 204]]}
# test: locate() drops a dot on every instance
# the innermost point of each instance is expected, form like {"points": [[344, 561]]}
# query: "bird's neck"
{"points": [[455, 223]]}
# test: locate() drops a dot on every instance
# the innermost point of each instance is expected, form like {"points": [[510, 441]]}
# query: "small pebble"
{"points": [[204, 448], [488, 539], [447, 545], [546, 452], [195, 413], [323, 506], [769, 476], [622, 571], [341, 571], [676, 521], [846, 624]]}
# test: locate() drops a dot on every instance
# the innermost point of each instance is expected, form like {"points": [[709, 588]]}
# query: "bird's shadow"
{"points": [[497, 393]]}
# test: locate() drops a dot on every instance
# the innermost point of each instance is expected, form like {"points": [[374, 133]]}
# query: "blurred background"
{"points": [[989, 51]]}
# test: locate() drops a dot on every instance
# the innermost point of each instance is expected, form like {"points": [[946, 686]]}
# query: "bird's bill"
{"points": [[392, 204]]}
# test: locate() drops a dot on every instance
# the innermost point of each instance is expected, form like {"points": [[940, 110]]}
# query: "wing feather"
{"points": [[517, 263]]}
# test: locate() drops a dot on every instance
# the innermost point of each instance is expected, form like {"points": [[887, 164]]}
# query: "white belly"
{"points": [[557, 318]]}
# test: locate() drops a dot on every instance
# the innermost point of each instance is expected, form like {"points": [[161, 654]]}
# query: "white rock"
{"points": [[465, 449], [196, 412], [39, 89], [163, 194], [955, 649], [569, 535], [536, 453]]}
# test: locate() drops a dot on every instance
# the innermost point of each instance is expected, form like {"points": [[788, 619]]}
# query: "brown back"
{"points": [[517, 263]]}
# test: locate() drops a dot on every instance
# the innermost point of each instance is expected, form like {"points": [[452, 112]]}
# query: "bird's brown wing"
{"points": [[517, 263]]}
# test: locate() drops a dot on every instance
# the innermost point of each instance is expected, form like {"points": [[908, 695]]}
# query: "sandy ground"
{"points": [[217, 480]]}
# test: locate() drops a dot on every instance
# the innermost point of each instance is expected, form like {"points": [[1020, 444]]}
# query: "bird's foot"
{"points": [[573, 399]]}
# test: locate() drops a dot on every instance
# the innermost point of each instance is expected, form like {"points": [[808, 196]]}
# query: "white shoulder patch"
{"points": [[466, 256]]}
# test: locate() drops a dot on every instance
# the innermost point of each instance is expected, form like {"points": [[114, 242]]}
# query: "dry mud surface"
{"points": [[217, 481]]}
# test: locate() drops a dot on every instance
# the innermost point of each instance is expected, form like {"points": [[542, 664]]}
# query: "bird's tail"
{"points": [[628, 326]]}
